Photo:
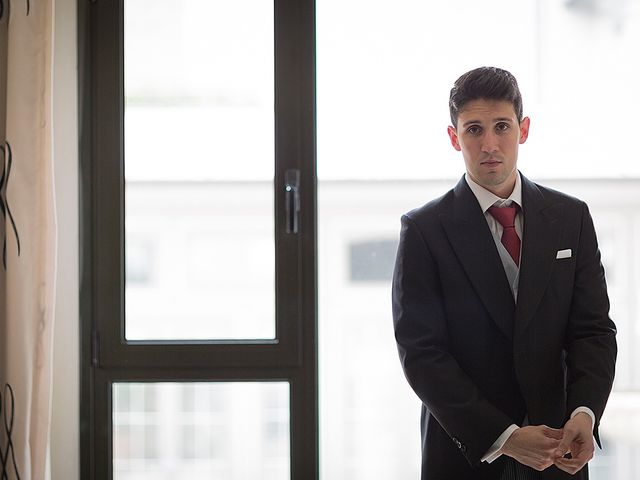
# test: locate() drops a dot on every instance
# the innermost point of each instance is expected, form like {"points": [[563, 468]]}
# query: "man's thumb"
{"points": [[562, 449]]}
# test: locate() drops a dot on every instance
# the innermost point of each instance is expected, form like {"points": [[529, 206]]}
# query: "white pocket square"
{"points": [[564, 253]]}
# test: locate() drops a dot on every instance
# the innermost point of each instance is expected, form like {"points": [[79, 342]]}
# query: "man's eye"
{"points": [[474, 130], [502, 127]]}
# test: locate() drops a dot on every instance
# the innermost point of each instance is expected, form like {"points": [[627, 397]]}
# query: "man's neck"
{"points": [[486, 198], [503, 190]]}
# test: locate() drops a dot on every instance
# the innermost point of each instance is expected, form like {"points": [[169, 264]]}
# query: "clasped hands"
{"points": [[540, 446]]}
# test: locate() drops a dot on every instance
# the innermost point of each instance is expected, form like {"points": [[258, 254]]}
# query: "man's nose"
{"points": [[490, 142]]}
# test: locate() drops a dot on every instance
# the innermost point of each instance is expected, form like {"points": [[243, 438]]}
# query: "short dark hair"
{"points": [[488, 83]]}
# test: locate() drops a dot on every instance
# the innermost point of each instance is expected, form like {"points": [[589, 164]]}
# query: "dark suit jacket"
{"points": [[478, 361]]}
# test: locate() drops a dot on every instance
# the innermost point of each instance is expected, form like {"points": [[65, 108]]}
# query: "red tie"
{"points": [[506, 217]]}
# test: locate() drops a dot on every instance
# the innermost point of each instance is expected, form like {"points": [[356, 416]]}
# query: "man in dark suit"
{"points": [[500, 308]]}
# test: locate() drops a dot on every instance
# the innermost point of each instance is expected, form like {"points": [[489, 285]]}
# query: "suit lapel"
{"points": [[474, 246], [541, 235]]}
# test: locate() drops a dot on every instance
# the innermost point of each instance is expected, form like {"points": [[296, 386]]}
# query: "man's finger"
{"points": [[563, 448], [569, 465], [565, 443], [584, 454]]}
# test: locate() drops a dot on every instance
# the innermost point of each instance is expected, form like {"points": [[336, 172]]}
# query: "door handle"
{"points": [[292, 199]]}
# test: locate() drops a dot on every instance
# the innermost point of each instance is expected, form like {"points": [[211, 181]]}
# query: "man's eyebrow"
{"points": [[495, 120], [470, 122]]}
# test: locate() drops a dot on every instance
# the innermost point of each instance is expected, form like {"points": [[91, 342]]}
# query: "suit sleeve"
{"points": [[420, 324], [590, 337]]}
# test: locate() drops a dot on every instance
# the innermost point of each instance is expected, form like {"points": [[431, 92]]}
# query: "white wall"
{"points": [[65, 462]]}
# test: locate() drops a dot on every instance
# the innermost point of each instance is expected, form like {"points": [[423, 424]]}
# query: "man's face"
{"points": [[488, 136]]}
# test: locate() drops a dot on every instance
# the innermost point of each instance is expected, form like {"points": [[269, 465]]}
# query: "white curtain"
{"points": [[27, 280]]}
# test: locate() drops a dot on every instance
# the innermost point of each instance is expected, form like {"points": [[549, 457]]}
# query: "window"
{"points": [[384, 74], [195, 283], [198, 281], [201, 430], [372, 261]]}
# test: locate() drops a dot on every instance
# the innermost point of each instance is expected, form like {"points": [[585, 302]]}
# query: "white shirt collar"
{"points": [[486, 199]]}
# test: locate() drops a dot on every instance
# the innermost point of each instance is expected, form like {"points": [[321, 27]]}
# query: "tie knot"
{"points": [[505, 216]]}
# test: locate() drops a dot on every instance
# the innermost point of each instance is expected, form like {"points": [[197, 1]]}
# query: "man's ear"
{"points": [[453, 136], [524, 129]]}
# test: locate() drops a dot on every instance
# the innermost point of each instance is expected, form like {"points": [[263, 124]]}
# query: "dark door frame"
{"points": [[106, 357]]}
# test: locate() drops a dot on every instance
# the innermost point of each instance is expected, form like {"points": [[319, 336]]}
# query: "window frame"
{"points": [[106, 357]]}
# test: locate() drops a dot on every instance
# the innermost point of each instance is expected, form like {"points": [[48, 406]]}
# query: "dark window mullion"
{"points": [[296, 148]]}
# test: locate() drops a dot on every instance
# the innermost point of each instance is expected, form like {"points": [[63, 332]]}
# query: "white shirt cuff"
{"points": [[494, 450], [586, 410]]}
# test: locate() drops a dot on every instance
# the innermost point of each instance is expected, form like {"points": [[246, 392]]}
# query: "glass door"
{"points": [[198, 220]]}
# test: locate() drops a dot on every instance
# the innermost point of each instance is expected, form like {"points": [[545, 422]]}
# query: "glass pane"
{"points": [[384, 76], [235, 431], [199, 167]]}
